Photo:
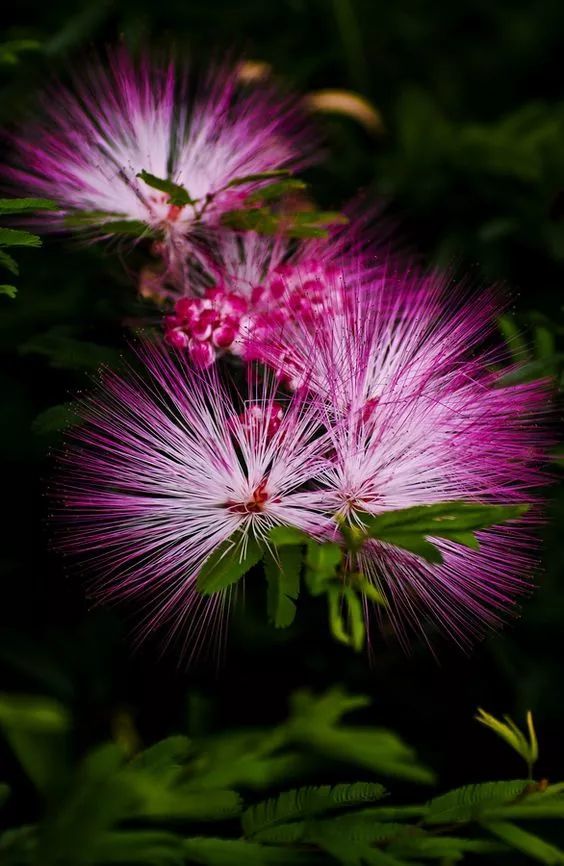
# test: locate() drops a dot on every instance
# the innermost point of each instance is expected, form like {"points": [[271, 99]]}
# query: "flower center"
{"points": [[255, 504]]}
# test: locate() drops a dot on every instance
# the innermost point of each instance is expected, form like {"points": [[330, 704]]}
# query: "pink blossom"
{"points": [[165, 469], [116, 119], [418, 413]]}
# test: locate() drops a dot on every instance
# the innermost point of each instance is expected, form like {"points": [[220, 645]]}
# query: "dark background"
{"points": [[470, 158]]}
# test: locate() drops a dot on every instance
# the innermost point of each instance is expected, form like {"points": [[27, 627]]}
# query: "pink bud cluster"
{"points": [[223, 320]]}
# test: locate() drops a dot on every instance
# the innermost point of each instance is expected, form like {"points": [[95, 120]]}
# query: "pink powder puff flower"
{"points": [[93, 138], [418, 413], [165, 468]]}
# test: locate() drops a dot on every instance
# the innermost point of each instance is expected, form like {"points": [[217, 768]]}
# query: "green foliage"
{"points": [[37, 729], [282, 572], [526, 842], [316, 725], [149, 808], [17, 237], [527, 747], [410, 528], [235, 852], [305, 802], [176, 193], [303, 224], [10, 51], [65, 351], [472, 801], [22, 205], [228, 563], [55, 418]]}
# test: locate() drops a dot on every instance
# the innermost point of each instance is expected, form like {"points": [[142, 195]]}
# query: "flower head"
{"points": [[418, 414], [166, 468], [93, 140]]}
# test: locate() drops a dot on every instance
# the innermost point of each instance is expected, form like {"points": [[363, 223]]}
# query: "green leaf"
{"points": [[304, 802], [284, 535], [527, 748], [10, 291], [229, 562], [450, 849], [249, 758], [138, 847], [135, 228], [346, 619], [20, 205], [55, 419], [257, 219], [100, 798], [470, 802], [410, 528], [238, 852], [18, 847], [9, 263], [314, 725], [102, 223], [282, 574], [164, 756], [254, 178], [322, 561], [36, 729], [275, 190], [18, 238], [64, 351], [161, 798], [177, 194], [532, 808], [525, 842], [10, 51], [350, 839]]}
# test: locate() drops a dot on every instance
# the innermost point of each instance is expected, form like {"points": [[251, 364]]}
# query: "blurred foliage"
{"points": [[119, 803], [468, 152]]}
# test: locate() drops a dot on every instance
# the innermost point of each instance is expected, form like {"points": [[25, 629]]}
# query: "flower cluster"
{"points": [[97, 143], [371, 386]]}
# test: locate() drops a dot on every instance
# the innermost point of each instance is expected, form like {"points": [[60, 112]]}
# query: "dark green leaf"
{"points": [[410, 528], [55, 418], [138, 847], [282, 572], [228, 563], [64, 351], [237, 852], [526, 842], [20, 205], [10, 291], [254, 178], [18, 238], [36, 730], [472, 801], [283, 535], [346, 616], [275, 190], [315, 725], [177, 194], [18, 846], [10, 51], [259, 219], [9, 263], [304, 802], [322, 561]]}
